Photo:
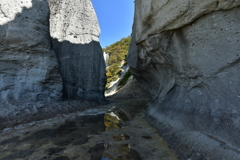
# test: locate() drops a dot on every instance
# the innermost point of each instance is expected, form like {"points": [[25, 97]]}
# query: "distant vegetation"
{"points": [[117, 56], [123, 81]]}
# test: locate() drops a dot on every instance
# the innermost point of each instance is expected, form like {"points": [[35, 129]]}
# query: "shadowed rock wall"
{"points": [[75, 31], [187, 53]]}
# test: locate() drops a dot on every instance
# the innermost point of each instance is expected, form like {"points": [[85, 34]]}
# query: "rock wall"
{"points": [[75, 31], [187, 53], [28, 66], [39, 37]]}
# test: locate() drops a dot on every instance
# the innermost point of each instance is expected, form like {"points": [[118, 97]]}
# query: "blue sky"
{"points": [[115, 18]]}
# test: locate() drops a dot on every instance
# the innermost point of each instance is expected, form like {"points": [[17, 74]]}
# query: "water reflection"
{"points": [[97, 151], [121, 137], [113, 119], [72, 132], [105, 158], [119, 152], [116, 135]]}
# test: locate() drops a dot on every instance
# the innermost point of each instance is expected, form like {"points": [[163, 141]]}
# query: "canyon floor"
{"points": [[116, 131]]}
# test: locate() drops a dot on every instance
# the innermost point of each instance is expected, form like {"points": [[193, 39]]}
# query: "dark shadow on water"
{"points": [[18, 154], [147, 137], [52, 151], [124, 152], [97, 151], [74, 132], [121, 137], [62, 158]]}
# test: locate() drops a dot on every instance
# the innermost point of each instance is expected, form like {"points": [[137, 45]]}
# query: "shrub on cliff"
{"points": [[117, 57]]}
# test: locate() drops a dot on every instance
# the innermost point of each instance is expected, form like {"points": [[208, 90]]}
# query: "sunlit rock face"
{"points": [[75, 30], [50, 49], [187, 53], [28, 66]]}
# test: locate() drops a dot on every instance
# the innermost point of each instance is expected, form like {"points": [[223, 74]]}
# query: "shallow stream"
{"points": [[117, 131]]}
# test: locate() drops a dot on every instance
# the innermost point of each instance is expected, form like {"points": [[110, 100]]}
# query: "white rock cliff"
{"points": [[75, 30], [33, 47], [28, 65], [187, 53]]}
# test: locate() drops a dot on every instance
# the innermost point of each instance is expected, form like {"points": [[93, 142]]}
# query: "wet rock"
{"points": [[123, 152], [37, 111], [114, 118], [76, 132], [122, 114], [62, 158], [52, 151], [121, 137], [147, 137], [18, 154], [83, 137], [111, 121], [97, 151]]}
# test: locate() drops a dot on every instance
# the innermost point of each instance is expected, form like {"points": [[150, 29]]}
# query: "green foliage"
{"points": [[125, 78], [117, 55]]}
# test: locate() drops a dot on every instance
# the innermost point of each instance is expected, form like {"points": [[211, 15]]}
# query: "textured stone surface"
{"points": [[156, 16], [28, 66], [14, 114], [187, 53], [75, 41], [133, 89], [84, 136]]}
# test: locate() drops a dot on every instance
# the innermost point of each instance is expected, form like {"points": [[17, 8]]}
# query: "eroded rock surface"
{"points": [[28, 66], [48, 49], [75, 31], [86, 136], [187, 55]]}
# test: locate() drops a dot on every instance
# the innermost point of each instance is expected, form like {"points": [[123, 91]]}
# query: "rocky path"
{"points": [[117, 131]]}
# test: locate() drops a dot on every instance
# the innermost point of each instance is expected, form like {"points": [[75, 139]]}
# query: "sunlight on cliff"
{"points": [[80, 27], [10, 8]]}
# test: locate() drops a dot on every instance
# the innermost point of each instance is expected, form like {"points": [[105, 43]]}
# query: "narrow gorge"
{"points": [[182, 103]]}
